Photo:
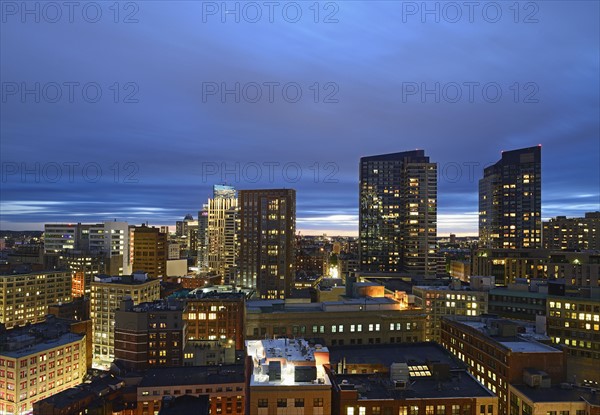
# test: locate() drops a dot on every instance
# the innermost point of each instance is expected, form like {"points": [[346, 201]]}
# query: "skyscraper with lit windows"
{"points": [[221, 232], [398, 214], [267, 241], [510, 201]]}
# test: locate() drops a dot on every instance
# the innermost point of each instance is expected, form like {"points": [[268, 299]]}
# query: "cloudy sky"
{"points": [[134, 112]]}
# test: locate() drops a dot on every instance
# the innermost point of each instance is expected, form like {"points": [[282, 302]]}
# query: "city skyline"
{"points": [[374, 67], [344, 224]]}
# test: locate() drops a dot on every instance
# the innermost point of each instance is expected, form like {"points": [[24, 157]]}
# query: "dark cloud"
{"points": [[370, 55]]}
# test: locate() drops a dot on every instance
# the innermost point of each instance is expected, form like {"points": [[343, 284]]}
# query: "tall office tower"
{"points": [[111, 238], [150, 251], [59, 237], [221, 230], [202, 237], [106, 295], [181, 226], [510, 201], [267, 241], [398, 214], [572, 233]]}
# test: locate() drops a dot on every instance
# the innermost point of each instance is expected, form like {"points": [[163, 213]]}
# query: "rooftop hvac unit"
{"points": [[305, 373], [274, 370], [399, 372]]}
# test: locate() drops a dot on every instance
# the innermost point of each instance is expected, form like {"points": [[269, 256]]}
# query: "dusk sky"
{"points": [[508, 77]]}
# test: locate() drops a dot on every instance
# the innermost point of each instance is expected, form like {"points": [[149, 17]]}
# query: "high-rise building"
{"points": [[181, 226], [63, 236], [112, 239], [108, 238], [24, 298], [202, 260], [267, 241], [510, 201], [150, 251], [221, 231], [398, 214], [105, 297], [572, 233]]}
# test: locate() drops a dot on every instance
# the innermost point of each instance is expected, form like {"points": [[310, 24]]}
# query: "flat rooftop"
{"points": [[44, 345], [192, 375], [517, 293], [411, 353], [35, 338], [159, 305], [558, 393], [379, 386], [122, 279], [290, 356], [348, 304], [523, 342]]}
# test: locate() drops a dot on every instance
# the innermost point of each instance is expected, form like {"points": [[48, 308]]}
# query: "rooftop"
{"points": [[134, 279], [193, 375], [348, 304], [517, 293], [287, 362], [216, 293], [35, 338], [559, 393], [518, 337], [93, 389], [379, 386], [158, 305], [411, 353], [186, 404]]}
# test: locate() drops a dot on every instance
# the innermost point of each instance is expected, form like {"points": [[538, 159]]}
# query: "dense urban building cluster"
{"points": [[235, 312]]}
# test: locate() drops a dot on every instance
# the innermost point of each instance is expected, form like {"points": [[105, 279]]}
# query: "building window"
{"points": [[318, 402], [362, 410], [299, 402], [376, 410], [429, 409], [349, 410], [282, 403], [263, 403]]}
